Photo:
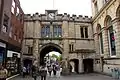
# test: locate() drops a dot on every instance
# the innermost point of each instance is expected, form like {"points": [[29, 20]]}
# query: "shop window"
{"points": [[5, 23], [12, 64], [2, 52]]}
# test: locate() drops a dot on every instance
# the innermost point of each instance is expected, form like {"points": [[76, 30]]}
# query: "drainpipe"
{"points": [[1, 14]]}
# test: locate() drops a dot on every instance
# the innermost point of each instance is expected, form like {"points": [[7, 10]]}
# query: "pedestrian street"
{"points": [[91, 76]]}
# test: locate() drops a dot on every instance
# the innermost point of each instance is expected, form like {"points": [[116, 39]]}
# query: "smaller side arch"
{"points": [[118, 12], [88, 65], [74, 65]]}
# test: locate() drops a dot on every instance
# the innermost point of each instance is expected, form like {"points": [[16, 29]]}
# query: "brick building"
{"points": [[11, 34]]}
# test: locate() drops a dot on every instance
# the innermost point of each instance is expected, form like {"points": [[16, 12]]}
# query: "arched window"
{"points": [[118, 12], [111, 36], [100, 39]]}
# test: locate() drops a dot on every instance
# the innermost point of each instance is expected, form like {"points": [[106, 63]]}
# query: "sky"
{"points": [[78, 7], [53, 52]]}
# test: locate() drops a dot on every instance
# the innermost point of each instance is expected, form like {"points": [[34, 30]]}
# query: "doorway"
{"points": [[88, 65], [74, 65], [28, 64]]}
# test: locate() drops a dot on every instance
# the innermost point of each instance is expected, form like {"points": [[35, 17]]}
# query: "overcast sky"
{"points": [[78, 7]]}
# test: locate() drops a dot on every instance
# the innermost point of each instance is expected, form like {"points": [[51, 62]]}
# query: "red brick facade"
{"points": [[11, 34]]}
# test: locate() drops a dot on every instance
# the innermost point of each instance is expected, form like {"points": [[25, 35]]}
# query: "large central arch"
{"points": [[46, 48]]}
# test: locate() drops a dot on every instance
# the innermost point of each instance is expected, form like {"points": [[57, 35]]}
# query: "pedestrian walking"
{"points": [[3, 73], [54, 70], [43, 72], [24, 70], [59, 72], [50, 68], [34, 72]]}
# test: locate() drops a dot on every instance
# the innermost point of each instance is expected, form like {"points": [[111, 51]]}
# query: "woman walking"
{"points": [[3, 73]]}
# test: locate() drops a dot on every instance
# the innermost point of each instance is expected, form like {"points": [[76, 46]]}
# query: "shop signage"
{"points": [[2, 45]]}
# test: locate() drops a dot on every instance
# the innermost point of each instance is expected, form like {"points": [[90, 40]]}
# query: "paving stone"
{"points": [[92, 76]]}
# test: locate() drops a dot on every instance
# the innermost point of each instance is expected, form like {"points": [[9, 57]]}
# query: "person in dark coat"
{"points": [[34, 72], [43, 72]]}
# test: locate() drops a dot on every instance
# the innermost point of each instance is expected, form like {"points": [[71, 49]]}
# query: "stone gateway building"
{"points": [[72, 36], [88, 44]]}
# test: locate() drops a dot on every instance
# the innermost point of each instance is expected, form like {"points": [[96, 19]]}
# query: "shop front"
{"points": [[13, 62], [2, 53]]}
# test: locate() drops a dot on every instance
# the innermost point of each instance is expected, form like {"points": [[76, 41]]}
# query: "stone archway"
{"points": [[74, 65], [45, 49]]}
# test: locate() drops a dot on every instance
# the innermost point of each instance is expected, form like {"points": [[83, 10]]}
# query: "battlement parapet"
{"points": [[62, 17]]}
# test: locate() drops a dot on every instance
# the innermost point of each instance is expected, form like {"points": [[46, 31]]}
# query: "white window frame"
{"points": [[110, 45]]}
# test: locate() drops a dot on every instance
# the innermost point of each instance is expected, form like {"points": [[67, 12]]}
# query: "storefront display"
{"points": [[12, 64]]}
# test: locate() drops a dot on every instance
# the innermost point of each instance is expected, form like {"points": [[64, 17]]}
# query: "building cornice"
{"points": [[102, 10], [61, 38]]}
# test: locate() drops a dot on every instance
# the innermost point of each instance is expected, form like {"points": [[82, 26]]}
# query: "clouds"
{"points": [[78, 7]]}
